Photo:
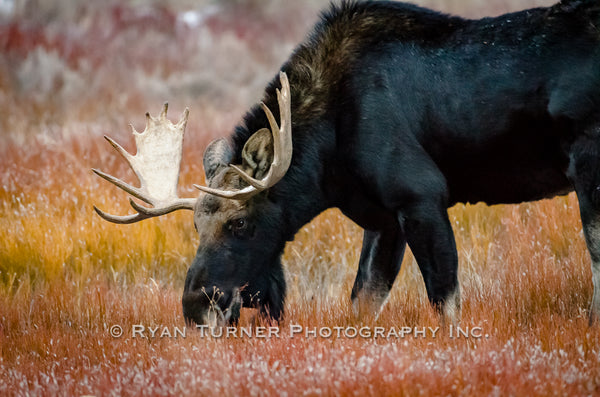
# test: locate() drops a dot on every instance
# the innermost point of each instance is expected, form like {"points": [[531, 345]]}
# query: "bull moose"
{"points": [[392, 113]]}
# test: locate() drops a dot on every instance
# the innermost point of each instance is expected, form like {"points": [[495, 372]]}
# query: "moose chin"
{"points": [[391, 113]]}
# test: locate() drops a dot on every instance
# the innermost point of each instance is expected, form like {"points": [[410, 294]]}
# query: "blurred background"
{"points": [[67, 63]]}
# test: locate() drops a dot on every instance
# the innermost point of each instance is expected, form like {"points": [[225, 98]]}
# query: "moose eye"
{"points": [[238, 225]]}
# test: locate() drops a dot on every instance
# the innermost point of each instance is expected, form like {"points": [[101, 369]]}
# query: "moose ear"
{"points": [[217, 154], [257, 154]]}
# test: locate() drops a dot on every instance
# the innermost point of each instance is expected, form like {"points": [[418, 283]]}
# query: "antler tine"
{"points": [[156, 164], [134, 191], [182, 123], [180, 204], [282, 140], [242, 194], [262, 184], [282, 149], [128, 157], [122, 220]]}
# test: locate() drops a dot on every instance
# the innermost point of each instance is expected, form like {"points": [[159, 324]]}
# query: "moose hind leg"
{"points": [[594, 232], [584, 173], [591, 229], [379, 264]]}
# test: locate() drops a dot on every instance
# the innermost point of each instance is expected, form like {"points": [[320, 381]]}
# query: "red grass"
{"points": [[67, 277]]}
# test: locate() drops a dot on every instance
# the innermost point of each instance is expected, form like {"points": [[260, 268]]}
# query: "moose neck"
{"points": [[302, 192]]}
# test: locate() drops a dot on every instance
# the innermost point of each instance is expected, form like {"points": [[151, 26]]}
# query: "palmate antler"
{"points": [[156, 165], [158, 158]]}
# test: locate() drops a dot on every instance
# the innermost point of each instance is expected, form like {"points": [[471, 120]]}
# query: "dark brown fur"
{"points": [[318, 65]]}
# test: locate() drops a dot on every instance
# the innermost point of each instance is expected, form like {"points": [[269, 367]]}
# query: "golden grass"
{"points": [[67, 277]]}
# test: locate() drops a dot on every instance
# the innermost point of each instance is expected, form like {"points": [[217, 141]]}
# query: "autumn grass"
{"points": [[67, 277]]}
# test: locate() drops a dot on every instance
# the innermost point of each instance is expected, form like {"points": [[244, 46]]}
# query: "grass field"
{"points": [[71, 72]]}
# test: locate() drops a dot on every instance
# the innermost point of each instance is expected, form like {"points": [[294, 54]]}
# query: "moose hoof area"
{"points": [[368, 306]]}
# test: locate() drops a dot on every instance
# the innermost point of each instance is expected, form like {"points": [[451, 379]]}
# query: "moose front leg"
{"points": [[431, 239], [379, 264], [584, 172]]}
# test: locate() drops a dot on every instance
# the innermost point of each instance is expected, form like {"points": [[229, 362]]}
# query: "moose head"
{"points": [[238, 259]]}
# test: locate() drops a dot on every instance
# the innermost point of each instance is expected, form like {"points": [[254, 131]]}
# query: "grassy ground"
{"points": [[68, 279]]}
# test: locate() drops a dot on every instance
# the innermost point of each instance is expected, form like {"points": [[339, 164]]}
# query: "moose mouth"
{"points": [[213, 311]]}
